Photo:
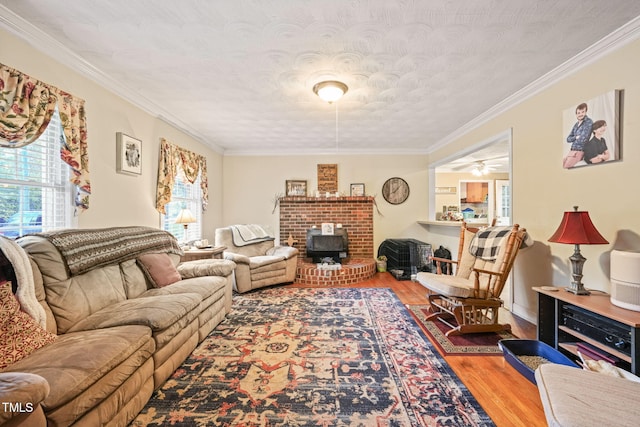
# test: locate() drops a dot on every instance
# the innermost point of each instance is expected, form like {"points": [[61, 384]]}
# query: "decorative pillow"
{"points": [[159, 269], [21, 334]]}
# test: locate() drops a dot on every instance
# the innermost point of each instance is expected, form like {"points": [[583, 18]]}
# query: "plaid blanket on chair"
{"points": [[486, 243]]}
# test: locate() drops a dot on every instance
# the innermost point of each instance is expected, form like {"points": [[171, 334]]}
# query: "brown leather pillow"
{"points": [[159, 269]]}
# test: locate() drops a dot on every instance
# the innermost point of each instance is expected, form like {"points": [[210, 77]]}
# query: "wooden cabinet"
{"points": [[477, 197], [477, 192], [566, 320]]}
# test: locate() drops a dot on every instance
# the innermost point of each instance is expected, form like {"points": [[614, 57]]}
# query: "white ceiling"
{"points": [[237, 74]]}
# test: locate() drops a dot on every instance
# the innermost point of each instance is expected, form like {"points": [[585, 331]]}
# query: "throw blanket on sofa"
{"points": [[247, 234], [486, 243], [84, 250], [26, 291]]}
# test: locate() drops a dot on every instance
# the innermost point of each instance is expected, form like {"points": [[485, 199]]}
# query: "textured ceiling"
{"points": [[237, 74]]}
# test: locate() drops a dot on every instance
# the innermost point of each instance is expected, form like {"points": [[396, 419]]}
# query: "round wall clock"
{"points": [[395, 190]]}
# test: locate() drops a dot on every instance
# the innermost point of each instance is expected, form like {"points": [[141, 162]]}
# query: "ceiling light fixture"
{"points": [[330, 90], [480, 169]]}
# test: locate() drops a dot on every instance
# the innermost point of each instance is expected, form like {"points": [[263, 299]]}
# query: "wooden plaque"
{"points": [[328, 178]]}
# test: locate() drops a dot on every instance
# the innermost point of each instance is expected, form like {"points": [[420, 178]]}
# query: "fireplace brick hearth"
{"points": [[355, 213]]}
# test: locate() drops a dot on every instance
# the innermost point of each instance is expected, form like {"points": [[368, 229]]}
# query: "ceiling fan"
{"points": [[481, 166]]}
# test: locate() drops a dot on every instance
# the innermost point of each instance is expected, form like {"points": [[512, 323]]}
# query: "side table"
{"points": [[207, 253]]}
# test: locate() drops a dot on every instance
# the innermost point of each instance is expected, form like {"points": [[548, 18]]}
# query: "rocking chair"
{"points": [[472, 296]]}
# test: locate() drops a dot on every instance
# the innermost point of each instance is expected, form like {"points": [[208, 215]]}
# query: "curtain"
{"points": [[26, 107], [192, 164], [73, 149]]}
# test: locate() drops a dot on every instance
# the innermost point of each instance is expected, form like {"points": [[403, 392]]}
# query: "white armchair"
{"points": [[258, 261]]}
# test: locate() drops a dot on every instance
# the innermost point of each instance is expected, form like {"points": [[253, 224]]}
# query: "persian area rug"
{"points": [[315, 357], [483, 344]]}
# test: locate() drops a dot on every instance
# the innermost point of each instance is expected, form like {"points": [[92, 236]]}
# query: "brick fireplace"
{"points": [[355, 213]]}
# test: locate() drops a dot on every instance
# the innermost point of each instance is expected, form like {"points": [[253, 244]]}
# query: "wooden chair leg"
{"points": [[470, 315]]}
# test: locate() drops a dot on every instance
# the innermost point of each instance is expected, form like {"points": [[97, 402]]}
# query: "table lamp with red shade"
{"points": [[577, 229]]}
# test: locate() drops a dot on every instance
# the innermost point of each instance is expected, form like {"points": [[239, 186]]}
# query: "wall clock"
{"points": [[395, 190]]}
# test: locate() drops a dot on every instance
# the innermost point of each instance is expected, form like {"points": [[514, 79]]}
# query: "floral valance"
{"points": [[192, 164], [26, 107]]}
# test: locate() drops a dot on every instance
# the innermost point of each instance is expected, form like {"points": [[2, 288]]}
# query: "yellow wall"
{"points": [[251, 184], [116, 199], [543, 190]]}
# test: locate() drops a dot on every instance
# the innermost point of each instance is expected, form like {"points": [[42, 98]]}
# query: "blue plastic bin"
{"points": [[513, 348]]}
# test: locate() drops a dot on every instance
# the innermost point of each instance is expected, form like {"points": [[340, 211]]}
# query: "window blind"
{"points": [[35, 193], [184, 195]]}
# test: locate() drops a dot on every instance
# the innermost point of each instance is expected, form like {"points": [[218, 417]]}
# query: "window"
{"points": [[35, 192], [184, 195]]}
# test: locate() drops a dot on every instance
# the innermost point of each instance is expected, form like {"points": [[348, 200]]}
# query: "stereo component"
{"points": [[599, 328]]}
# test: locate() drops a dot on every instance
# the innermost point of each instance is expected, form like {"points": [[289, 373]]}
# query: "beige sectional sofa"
{"points": [[120, 332]]}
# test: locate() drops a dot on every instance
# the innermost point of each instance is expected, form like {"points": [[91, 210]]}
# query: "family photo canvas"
{"points": [[592, 131]]}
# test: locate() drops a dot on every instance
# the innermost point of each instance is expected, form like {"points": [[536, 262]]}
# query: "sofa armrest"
{"points": [[206, 267], [20, 393], [237, 258], [286, 252]]}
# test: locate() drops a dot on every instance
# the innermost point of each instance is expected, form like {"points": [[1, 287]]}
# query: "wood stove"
{"points": [[321, 246]]}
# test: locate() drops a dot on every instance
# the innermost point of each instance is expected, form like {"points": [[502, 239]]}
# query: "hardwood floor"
{"points": [[508, 397]]}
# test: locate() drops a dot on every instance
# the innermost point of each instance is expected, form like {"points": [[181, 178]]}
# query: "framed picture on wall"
{"points": [[128, 154], [592, 131]]}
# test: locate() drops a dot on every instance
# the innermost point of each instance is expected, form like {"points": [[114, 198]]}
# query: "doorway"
{"points": [[487, 161]]}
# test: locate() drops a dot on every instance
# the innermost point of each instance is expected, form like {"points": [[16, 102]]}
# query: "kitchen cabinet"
{"points": [[478, 196], [477, 192]]}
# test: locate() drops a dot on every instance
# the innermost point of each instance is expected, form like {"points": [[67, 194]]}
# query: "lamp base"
{"points": [[577, 261], [578, 291]]}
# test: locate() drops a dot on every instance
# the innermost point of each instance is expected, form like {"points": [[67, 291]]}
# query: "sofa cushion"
{"points": [[266, 261], [76, 364], [73, 299], [156, 312], [21, 334], [452, 286], [159, 269]]}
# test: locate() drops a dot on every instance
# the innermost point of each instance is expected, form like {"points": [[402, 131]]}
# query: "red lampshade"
{"points": [[576, 228]]}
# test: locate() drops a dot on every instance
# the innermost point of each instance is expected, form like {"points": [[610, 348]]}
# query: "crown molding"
{"points": [[326, 152], [44, 43], [50, 47], [614, 41]]}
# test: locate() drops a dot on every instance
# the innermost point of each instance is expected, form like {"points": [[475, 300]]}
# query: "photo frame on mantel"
{"points": [[128, 154], [357, 189], [296, 188]]}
